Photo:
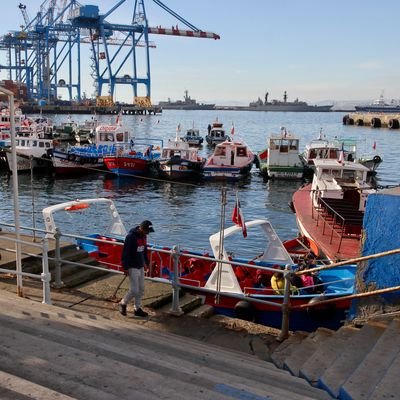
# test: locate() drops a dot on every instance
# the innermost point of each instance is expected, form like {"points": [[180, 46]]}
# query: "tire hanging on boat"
{"points": [[244, 310], [322, 312]]}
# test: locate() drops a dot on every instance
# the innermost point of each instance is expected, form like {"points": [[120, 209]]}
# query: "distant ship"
{"points": [[277, 105], [186, 104], [379, 105]]}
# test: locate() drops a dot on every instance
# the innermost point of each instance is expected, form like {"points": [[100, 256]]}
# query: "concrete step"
{"points": [[15, 388], [187, 303], [78, 275], [389, 386], [91, 357], [326, 354], [305, 349], [363, 381], [350, 358], [286, 347]]}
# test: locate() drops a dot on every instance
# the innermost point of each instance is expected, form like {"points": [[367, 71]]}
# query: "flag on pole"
{"points": [[237, 217], [232, 129], [374, 146], [341, 155], [178, 128], [118, 120]]}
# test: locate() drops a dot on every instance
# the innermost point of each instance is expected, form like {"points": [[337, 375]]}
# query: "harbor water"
{"points": [[187, 214]]}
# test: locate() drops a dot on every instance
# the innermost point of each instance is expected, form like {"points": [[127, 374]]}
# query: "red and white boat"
{"points": [[330, 210], [231, 160], [225, 279], [137, 160]]}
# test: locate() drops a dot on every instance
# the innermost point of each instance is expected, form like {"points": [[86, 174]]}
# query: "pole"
{"points": [[176, 308], [221, 243], [15, 190], [285, 306]]}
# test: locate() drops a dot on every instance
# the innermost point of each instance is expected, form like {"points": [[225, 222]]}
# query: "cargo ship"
{"points": [[186, 104], [285, 105]]}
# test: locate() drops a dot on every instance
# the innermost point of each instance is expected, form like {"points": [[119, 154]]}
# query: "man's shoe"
{"points": [[122, 308], [140, 313]]}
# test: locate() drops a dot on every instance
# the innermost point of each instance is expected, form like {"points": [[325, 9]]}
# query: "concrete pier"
{"points": [[374, 120]]}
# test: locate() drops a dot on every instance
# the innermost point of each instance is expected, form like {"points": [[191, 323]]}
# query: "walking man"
{"points": [[134, 259]]}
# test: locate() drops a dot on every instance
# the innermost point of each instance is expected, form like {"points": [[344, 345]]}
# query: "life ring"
{"points": [[321, 312], [244, 310], [71, 157], [377, 159]]}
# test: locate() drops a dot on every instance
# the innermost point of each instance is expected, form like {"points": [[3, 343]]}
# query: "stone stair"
{"points": [[47, 352], [350, 364]]}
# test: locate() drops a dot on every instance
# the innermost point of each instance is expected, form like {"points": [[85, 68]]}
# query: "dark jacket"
{"points": [[134, 252]]}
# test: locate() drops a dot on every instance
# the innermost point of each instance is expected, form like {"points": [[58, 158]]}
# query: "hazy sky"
{"points": [[317, 50]]}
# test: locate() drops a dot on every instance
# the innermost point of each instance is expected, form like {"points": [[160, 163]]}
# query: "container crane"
{"points": [[50, 43]]}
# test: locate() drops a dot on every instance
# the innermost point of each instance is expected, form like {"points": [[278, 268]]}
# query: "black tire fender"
{"points": [[322, 312], [377, 159], [244, 310]]}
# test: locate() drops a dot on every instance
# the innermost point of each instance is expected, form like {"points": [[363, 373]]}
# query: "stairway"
{"points": [[47, 352], [350, 364]]}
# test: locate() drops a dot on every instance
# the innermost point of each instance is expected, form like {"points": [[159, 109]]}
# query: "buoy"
{"points": [[244, 310], [76, 207]]}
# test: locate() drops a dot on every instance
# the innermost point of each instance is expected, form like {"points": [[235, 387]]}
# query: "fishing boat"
{"points": [[323, 148], [137, 160], [179, 161], [90, 157], [34, 149], [226, 280], [231, 160], [193, 137], [281, 158], [330, 210], [216, 133]]}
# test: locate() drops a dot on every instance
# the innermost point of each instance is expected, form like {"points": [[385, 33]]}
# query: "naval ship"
{"points": [[186, 104], [285, 105]]}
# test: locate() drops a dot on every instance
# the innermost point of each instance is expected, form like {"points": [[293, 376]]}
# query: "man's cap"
{"points": [[147, 226]]}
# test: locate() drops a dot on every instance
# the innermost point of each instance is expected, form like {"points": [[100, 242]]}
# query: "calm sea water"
{"points": [[188, 214]]}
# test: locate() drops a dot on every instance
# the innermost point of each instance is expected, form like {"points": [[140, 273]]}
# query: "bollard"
{"points": [[175, 309], [57, 261], [45, 275], [285, 306]]}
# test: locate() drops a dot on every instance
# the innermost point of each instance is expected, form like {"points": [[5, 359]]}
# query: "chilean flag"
{"points": [[237, 217]]}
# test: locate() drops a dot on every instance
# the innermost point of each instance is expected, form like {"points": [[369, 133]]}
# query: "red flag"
{"points": [[237, 217], [232, 130], [374, 146]]}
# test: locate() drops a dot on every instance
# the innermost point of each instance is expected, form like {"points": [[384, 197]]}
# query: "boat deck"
{"points": [[335, 225]]}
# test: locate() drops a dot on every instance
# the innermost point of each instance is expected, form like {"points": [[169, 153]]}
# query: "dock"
{"points": [[126, 109], [374, 120]]}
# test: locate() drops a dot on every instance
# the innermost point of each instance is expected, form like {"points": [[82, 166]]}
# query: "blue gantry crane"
{"points": [[45, 54]]}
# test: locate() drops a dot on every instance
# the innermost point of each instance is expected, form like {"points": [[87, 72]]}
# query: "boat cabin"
{"points": [[344, 180], [231, 154], [283, 150]]}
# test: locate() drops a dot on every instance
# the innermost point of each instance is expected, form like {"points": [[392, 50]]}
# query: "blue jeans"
{"points": [[136, 290]]}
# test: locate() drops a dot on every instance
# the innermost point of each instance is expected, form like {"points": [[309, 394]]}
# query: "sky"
{"points": [[319, 51]]}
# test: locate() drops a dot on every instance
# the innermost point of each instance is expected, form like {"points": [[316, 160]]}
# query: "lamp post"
{"points": [[15, 189]]}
